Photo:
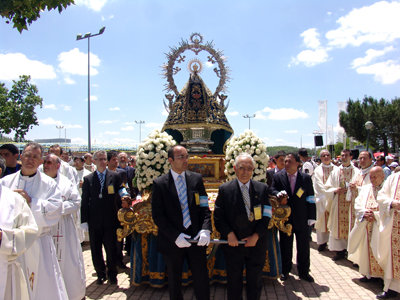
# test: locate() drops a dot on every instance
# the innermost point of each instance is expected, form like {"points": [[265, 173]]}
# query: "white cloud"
{"points": [[72, 126], [15, 64], [387, 72], [154, 125], [67, 107], [311, 38], [374, 24], [49, 121], [69, 80], [310, 58], [92, 98], [50, 106], [112, 132], [281, 114], [291, 131], [114, 108], [75, 62], [106, 122], [124, 141], [232, 113], [127, 128], [129, 123], [378, 23], [95, 5], [370, 55]]}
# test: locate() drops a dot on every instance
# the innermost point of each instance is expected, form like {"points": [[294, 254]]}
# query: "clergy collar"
{"points": [[28, 175], [326, 166], [366, 170]]}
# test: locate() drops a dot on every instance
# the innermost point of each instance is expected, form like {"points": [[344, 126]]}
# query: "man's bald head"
{"points": [[377, 176]]}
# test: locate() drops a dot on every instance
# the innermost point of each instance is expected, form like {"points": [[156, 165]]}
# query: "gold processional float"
{"points": [[197, 121]]}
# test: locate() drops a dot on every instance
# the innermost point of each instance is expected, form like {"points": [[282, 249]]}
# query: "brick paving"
{"points": [[333, 281]]}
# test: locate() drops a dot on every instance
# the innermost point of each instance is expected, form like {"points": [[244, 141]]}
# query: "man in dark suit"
{"points": [[296, 189], [279, 160], [242, 213], [100, 204], [180, 210]]}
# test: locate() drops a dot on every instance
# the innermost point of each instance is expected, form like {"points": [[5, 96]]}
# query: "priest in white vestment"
{"points": [[362, 238], [18, 231], [39, 262], [322, 198], [69, 251], [341, 204], [362, 178], [388, 250]]}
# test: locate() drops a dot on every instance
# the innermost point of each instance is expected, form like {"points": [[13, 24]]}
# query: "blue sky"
{"points": [[284, 57]]}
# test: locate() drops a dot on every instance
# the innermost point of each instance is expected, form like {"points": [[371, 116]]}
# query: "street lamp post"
{"points": [[249, 117], [59, 127], [140, 129], [78, 38], [368, 126]]}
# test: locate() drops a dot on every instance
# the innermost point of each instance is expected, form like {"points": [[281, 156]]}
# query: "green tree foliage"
{"points": [[384, 114], [17, 107], [23, 12]]}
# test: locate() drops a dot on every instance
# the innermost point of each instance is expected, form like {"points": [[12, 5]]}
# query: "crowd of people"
{"points": [[50, 203]]}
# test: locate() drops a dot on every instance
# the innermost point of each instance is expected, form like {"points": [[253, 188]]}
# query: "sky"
{"points": [[284, 56]]}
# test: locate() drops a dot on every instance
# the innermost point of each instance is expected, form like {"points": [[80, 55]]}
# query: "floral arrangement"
{"points": [[250, 143], [152, 159]]}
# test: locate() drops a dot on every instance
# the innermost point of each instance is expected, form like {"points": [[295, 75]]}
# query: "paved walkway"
{"points": [[333, 280]]}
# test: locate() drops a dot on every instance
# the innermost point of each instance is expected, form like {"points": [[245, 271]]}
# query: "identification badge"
{"points": [[257, 212], [100, 196], [110, 189], [300, 192], [197, 198], [203, 201]]}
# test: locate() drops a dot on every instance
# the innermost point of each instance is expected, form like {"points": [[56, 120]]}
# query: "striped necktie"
{"points": [[101, 178], [246, 199], [182, 194]]}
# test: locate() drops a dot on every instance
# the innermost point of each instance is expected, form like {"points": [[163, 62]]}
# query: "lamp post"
{"points": [[249, 117], [140, 129], [78, 38], [59, 127], [368, 126]]}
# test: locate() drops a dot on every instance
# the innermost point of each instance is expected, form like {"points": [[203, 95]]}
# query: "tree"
{"points": [[23, 12], [384, 115], [17, 107]]}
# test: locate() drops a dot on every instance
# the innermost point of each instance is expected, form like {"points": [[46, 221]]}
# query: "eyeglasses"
{"points": [[326, 155]]}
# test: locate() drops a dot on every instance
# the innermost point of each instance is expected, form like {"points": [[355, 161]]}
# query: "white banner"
{"points": [[330, 135], [341, 134], [323, 112]]}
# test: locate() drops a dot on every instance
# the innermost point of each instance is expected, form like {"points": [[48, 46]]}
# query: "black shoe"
{"points": [[113, 281], [339, 255], [284, 277], [387, 295], [322, 247], [307, 277], [100, 280], [365, 279]]}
